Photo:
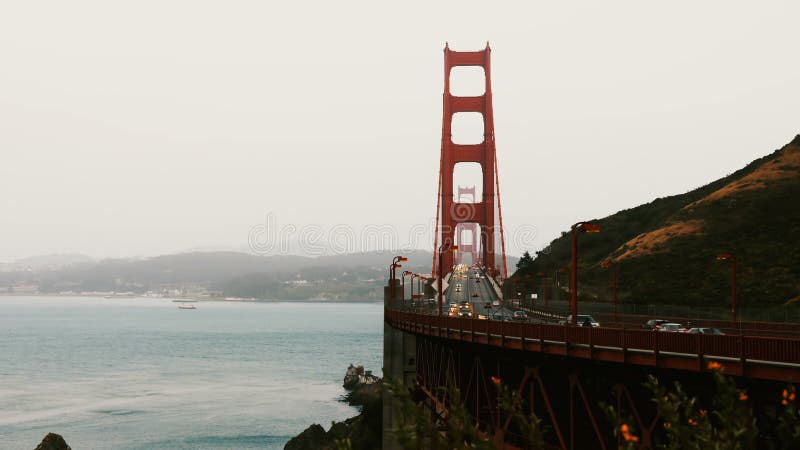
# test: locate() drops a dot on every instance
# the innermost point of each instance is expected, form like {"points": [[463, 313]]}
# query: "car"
{"points": [[583, 321], [464, 303], [704, 331], [464, 312], [672, 327], [653, 324], [453, 304], [475, 295], [488, 305], [477, 280], [520, 316], [496, 303], [458, 287], [503, 315]]}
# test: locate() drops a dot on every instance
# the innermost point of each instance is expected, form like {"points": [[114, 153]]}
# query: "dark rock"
{"points": [[313, 437], [53, 442]]}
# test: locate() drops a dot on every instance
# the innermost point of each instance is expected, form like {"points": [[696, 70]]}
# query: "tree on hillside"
{"points": [[525, 263]]}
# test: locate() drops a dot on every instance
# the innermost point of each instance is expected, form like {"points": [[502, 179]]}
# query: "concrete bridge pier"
{"points": [[399, 364]]}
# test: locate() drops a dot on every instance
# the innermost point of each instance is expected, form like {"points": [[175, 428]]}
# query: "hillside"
{"points": [[665, 250]]}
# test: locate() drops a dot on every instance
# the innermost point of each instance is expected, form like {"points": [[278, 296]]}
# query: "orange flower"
{"points": [[702, 412], [791, 397], [626, 433], [742, 396], [785, 393], [713, 365], [692, 422], [667, 425], [784, 402], [496, 380]]}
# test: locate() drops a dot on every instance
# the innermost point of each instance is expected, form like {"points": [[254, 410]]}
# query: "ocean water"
{"points": [[142, 374]]}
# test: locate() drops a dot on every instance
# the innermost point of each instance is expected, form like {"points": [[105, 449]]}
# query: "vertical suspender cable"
{"points": [[500, 213]]}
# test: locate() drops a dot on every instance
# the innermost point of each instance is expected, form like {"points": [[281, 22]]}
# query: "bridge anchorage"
{"points": [[459, 349]]}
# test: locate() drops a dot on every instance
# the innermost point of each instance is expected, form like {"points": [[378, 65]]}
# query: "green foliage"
{"points": [[788, 429], [526, 262], [416, 430], [725, 422]]}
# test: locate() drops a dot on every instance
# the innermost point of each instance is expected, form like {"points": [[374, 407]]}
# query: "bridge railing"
{"points": [[740, 347]]}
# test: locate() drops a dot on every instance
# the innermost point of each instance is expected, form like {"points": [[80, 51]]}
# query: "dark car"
{"points": [[464, 312], [504, 316], [520, 316], [653, 324], [584, 320]]}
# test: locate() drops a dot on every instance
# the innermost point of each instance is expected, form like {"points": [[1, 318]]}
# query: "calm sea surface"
{"points": [[142, 374]]}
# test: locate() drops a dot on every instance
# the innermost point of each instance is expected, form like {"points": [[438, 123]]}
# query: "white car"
{"points": [[672, 327]]}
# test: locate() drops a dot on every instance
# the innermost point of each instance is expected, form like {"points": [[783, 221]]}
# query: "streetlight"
{"points": [[546, 302], [413, 297], [557, 281], [442, 249], [722, 257], [403, 279], [392, 276], [530, 277], [606, 265], [580, 227]]}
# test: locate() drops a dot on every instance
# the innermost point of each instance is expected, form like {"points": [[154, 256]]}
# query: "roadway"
{"points": [[470, 285]]}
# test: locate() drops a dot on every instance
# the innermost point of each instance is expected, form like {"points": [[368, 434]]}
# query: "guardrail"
{"points": [[775, 358]]}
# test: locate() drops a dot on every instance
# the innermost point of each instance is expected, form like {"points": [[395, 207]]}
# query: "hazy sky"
{"points": [[149, 127]]}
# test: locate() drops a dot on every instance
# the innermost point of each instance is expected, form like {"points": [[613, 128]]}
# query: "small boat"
{"points": [[184, 306]]}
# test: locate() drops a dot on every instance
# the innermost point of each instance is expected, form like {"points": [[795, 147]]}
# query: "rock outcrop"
{"points": [[357, 376], [364, 431], [53, 442]]}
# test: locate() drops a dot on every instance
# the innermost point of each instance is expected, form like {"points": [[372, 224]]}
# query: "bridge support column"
{"points": [[399, 364]]}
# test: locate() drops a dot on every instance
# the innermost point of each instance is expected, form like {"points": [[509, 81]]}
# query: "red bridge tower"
{"points": [[481, 213]]}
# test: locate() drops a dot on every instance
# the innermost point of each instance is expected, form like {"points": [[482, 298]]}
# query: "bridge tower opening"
{"points": [[483, 216], [467, 245]]}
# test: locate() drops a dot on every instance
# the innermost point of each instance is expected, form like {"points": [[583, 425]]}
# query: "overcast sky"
{"points": [[150, 127]]}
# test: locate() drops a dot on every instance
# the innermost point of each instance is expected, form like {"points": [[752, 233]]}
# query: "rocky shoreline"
{"points": [[364, 431]]}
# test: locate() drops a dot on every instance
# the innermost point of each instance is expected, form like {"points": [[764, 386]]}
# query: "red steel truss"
{"points": [[561, 373]]}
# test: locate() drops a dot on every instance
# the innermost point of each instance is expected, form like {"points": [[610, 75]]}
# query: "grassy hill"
{"points": [[665, 250]]}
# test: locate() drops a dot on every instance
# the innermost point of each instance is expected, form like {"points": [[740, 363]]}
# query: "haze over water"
{"points": [[142, 374]]}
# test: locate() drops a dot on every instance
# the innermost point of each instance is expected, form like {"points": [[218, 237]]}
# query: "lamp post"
{"points": [[442, 249], [530, 294], [392, 276], [546, 302], [403, 276], [558, 283], [413, 275], [613, 267], [580, 227], [726, 256]]}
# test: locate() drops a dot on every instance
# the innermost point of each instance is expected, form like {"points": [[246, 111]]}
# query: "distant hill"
{"points": [[51, 262], [665, 250], [357, 276]]}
